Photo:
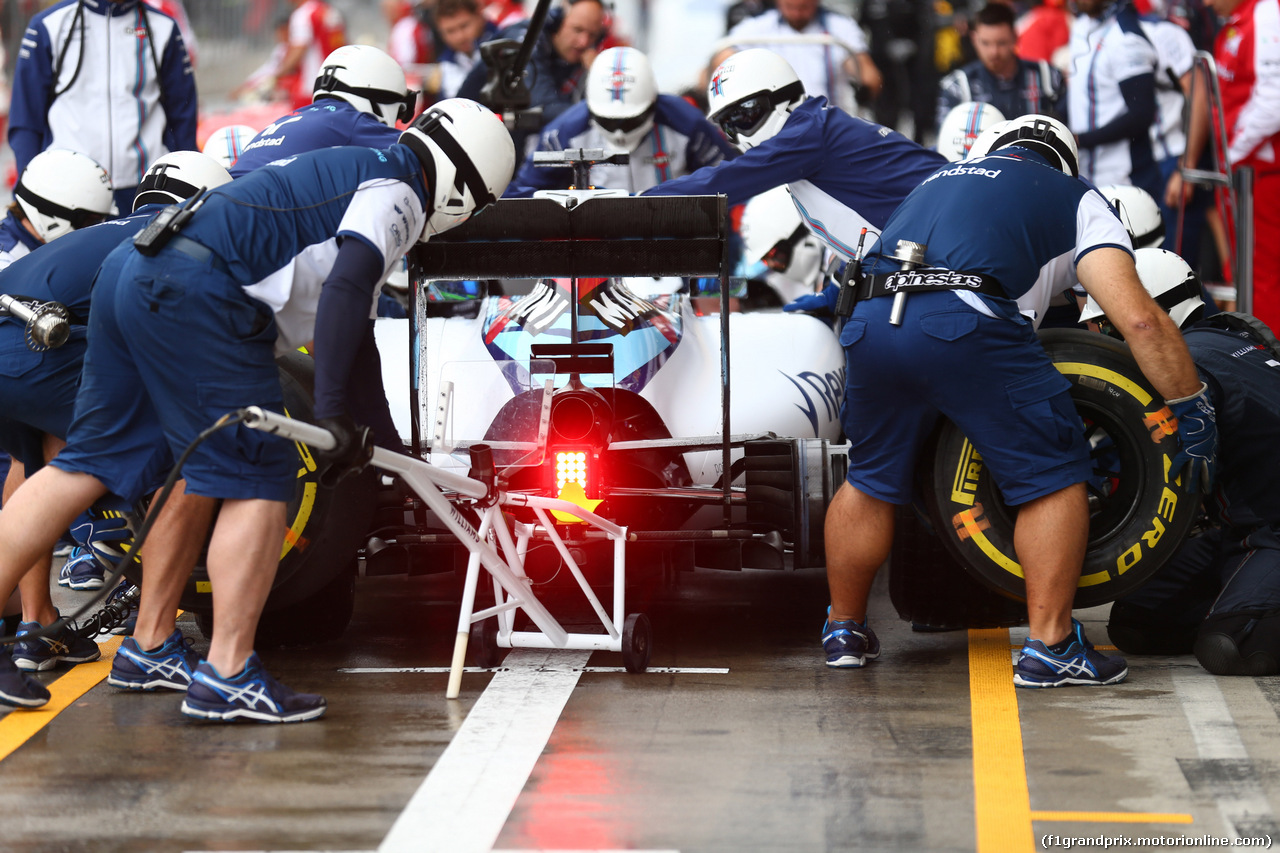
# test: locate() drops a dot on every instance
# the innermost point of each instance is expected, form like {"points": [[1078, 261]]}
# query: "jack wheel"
{"points": [[637, 642], [483, 645]]}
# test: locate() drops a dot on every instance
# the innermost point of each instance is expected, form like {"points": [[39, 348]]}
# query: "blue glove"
{"points": [[105, 529], [1197, 456], [816, 303]]}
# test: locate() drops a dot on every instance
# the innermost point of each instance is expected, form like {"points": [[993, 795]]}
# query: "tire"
{"points": [[1137, 519], [637, 642], [482, 647], [931, 589], [326, 528]]}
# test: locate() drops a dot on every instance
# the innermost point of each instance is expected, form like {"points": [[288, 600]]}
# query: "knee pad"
{"points": [[1142, 631], [1240, 643]]}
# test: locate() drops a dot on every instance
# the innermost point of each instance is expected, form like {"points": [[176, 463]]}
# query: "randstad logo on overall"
{"points": [[964, 170]]}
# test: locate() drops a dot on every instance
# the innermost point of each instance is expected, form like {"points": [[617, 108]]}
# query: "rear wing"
{"points": [[594, 237]]}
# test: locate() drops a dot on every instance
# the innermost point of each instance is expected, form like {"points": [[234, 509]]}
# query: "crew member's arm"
{"points": [[178, 91], [33, 85], [1110, 277], [342, 321], [1135, 122]]}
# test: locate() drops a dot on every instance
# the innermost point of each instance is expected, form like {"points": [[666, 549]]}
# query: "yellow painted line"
{"points": [[1112, 817], [18, 726], [1001, 800], [1002, 804]]}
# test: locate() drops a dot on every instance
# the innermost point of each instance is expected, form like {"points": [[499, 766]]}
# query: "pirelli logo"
{"points": [[964, 488]]}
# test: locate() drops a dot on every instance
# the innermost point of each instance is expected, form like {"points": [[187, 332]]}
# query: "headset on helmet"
{"points": [[773, 233], [177, 176], [368, 79], [962, 127], [622, 93], [61, 191], [468, 156], [1046, 136], [1171, 282], [1139, 213], [226, 144], [751, 94]]}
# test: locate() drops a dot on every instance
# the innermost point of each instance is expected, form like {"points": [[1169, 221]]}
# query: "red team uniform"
{"points": [[1248, 57]]}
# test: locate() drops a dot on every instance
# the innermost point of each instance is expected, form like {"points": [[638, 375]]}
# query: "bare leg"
{"points": [[1050, 537], [171, 550], [33, 588], [36, 516], [243, 557], [859, 537]]}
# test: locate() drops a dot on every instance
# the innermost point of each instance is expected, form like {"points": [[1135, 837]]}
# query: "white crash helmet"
{"points": [[751, 94], [773, 233], [962, 127], [368, 79], [61, 191], [226, 144], [1046, 136], [469, 158], [1171, 282], [1139, 213], [621, 95], [177, 175]]}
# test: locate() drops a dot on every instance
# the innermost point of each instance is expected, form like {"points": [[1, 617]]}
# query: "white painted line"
{"points": [[464, 802], [653, 670], [1216, 737]]}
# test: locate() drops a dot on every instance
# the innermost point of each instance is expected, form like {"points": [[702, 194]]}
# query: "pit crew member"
{"points": [[80, 58], [665, 136], [201, 341], [38, 389], [1219, 596], [844, 173], [57, 193], [906, 365], [359, 94], [1012, 85], [1111, 95]]}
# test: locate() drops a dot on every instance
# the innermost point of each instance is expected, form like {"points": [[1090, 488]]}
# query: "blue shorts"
{"points": [[990, 376], [37, 392], [174, 346]]}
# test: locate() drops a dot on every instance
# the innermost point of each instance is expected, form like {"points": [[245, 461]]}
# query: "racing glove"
{"points": [[1197, 455], [817, 303], [349, 455], [105, 529]]}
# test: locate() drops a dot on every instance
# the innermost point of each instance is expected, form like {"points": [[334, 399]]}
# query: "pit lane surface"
{"points": [[930, 748]]}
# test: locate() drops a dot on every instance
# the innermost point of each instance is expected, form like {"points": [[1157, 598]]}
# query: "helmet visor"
{"points": [[745, 117], [622, 125]]}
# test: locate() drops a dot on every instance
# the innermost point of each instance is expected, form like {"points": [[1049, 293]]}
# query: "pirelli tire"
{"points": [[312, 595], [1139, 514]]}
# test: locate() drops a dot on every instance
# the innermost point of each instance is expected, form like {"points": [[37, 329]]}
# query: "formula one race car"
{"points": [[610, 388], [601, 384]]}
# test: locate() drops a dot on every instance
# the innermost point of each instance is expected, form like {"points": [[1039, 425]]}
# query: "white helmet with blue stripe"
{"points": [[622, 93], [962, 127], [751, 94]]}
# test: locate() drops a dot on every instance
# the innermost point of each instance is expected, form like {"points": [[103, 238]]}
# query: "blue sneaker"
{"points": [[41, 653], [170, 666], [82, 570], [1079, 664], [850, 644], [17, 689], [250, 695]]}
